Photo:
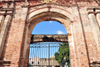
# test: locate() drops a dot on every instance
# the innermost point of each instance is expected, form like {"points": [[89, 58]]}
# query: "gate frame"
{"points": [[49, 63]]}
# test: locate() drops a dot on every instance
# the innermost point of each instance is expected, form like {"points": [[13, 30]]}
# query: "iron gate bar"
{"points": [[49, 53], [49, 38], [39, 51]]}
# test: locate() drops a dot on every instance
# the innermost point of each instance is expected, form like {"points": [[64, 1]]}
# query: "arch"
{"points": [[53, 9], [33, 21], [40, 15], [49, 27]]}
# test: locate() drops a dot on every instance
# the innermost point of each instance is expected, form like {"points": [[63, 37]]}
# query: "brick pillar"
{"points": [[98, 20], [96, 33], [1, 24], [19, 38], [4, 30], [24, 61], [81, 56], [94, 26], [72, 46], [98, 16]]}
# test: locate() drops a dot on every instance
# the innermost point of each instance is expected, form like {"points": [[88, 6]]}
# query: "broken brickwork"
{"points": [[81, 19]]}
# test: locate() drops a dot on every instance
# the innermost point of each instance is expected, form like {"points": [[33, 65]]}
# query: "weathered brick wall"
{"points": [[75, 16]]}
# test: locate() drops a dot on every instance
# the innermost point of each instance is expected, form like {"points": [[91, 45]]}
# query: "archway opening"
{"points": [[44, 53], [49, 27]]}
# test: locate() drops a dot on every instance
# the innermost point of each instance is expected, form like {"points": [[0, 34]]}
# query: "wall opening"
{"points": [[44, 54], [49, 27]]}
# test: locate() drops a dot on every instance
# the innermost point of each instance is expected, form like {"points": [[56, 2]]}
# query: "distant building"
{"points": [[43, 62], [34, 61]]}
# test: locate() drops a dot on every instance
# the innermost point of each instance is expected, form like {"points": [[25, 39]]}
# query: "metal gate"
{"points": [[42, 54]]}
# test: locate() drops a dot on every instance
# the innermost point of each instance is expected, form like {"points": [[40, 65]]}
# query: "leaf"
{"points": [[62, 56]]}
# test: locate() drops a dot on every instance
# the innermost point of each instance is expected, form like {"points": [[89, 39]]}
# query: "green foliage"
{"points": [[62, 56]]}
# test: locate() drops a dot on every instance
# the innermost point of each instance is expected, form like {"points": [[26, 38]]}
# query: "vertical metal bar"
{"points": [[40, 54], [49, 54], [29, 59]]}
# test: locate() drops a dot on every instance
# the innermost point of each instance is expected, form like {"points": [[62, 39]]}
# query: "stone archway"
{"points": [[47, 16], [74, 17], [65, 18]]}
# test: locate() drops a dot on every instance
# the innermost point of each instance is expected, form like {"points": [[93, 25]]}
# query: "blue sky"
{"points": [[40, 50], [49, 27], [46, 27]]}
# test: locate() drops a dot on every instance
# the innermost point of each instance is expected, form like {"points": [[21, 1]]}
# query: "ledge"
{"points": [[95, 7], [5, 63], [8, 9]]}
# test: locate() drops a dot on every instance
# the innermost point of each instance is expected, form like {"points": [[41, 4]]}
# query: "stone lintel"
{"points": [[49, 38], [91, 12], [97, 12], [6, 14], [95, 7], [6, 11], [4, 63], [95, 64], [94, 10]]}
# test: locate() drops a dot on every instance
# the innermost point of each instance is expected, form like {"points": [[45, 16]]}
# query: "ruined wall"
{"points": [[80, 18]]}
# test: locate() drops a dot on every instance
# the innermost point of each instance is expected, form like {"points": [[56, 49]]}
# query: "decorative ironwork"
{"points": [[42, 54]]}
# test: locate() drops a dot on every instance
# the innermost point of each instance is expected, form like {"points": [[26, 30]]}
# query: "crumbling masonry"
{"points": [[81, 19]]}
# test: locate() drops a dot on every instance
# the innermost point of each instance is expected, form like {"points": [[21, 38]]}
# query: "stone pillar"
{"points": [[72, 46], [24, 59], [98, 20], [96, 32], [94, 26], [1, 24], [4, 30], [98, 16], [79, 40]]}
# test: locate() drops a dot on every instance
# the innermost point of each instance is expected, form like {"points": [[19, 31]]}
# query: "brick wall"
{"points": [[75, 16]]}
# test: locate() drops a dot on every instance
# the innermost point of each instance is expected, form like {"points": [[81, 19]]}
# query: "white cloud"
{"points": [[59, 32], [50, 22]]}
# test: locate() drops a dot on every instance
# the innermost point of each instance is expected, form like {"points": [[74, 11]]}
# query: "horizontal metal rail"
{"points": [[43, 54]]}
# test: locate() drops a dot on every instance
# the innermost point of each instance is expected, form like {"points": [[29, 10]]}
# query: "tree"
{"points": [[62, 56]]}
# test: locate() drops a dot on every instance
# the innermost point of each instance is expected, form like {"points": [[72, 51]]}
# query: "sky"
{"points": [[41, 50], [46, 27], [49, 27]]}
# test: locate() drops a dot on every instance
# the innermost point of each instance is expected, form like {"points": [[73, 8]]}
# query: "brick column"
{"points": [[96, 33], [98, 20], [79, 41], [4, 30], [98, 16], [94, 26], [22, 61], [72, 46], [1, 23]]}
